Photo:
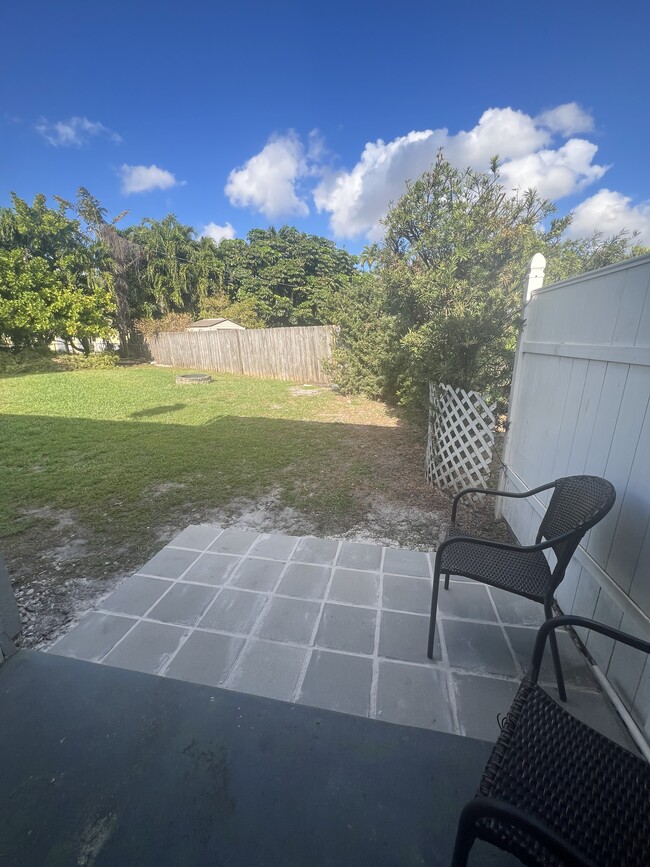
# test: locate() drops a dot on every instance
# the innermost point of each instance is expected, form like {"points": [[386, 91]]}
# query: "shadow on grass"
{"points": [[158, 410], [115, 475]]}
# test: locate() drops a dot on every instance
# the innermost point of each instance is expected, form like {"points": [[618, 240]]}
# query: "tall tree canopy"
{"points": [[51, 280], [452, 265], [178, 272], [446, 305], [293, 277]]}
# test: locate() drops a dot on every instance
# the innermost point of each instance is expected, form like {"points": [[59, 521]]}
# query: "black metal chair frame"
{"points": [[566, 543], [510, 816]]}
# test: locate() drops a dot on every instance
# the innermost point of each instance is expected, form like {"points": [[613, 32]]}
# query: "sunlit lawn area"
{"points": [[113, 462]]}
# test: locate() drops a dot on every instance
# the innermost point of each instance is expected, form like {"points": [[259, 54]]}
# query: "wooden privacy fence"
{"points": [[295, 354]]}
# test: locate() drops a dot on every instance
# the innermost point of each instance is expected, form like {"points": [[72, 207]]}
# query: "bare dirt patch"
{"points": [[306, 390], [165, 488]]}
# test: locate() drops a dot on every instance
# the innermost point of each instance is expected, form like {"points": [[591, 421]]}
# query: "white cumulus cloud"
{"points": [[267, 181], [358, 198], [567, 119], [503, 131], [218, 233], [143, 179], [555, 173], [74, 132], [609, 212]]}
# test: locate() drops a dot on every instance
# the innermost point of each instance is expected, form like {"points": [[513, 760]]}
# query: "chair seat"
{"points": [[592, 792], [522, 572]]}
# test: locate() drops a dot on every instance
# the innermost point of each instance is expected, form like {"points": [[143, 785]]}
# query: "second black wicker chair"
{"points": [[577, 503], [555, 791]]}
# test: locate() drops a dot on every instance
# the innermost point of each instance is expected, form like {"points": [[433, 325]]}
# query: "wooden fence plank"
{"points": [[292, 354]]}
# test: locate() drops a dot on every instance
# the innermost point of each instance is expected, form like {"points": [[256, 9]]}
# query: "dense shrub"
{"points": [[43, 360], [148, 328]]}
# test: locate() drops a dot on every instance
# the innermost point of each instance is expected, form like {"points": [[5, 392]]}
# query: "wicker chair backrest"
{"points": [[578, 502]]}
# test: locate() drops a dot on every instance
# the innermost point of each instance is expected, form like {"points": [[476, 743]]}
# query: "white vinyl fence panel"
{"points": [[580, 404]]}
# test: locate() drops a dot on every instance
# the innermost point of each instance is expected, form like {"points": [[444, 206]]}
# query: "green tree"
{"points": [[292, 276], [452, 264], [362, 359], [569, 257], [51, 282], [178, 272], [368, 256], [120, 259]]}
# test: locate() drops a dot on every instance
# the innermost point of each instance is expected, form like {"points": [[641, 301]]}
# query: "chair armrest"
{"points": [[575, 620], [492, 493], [494, 808]]}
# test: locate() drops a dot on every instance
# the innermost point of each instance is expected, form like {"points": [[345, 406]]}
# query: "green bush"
{"points": [[45, 361]]}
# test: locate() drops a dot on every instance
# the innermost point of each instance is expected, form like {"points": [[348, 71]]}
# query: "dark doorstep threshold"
{"points": [[103, 766]]}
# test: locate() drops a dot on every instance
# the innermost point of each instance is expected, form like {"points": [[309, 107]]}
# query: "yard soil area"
{"points": [[104, 467]]}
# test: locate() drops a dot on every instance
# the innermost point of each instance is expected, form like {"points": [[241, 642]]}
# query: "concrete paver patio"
{"points": [[338, 625]]}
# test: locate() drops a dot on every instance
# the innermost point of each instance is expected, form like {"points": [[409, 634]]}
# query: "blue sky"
{"points": [[250, 114]]}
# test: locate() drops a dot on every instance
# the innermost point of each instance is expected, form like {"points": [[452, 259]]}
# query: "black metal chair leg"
{"points": [[555, 654], [465, 836], [434, 611], [446, 580]]}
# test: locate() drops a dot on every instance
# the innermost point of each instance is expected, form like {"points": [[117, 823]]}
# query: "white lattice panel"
{"points": [[461, 438]]}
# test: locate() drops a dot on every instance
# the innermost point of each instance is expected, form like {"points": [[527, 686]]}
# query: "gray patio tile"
{"points": [[406, 594], [338, 682], [234, 541], [305, 581], [401, 562], [212, 569], [268, 669], [147, 648], [356, 588], [413, 696], [93, 637], [169, 563], [257, 574], [478, 702], [135, 595], [358, 555], [197, 536], [275, 547], [345, 628], [184, 604], [479, 648], [466, 600], [234, 611], [206, 657], [312, 550], [517, 610], [289, 620], [575, 667], [404, 637], [594, 709]]}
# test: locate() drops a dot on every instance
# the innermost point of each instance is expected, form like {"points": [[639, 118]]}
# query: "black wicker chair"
{"points": [[556, 792], [577, 503]]}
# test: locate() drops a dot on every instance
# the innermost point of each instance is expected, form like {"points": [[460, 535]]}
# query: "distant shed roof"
{"points": [[215, 323]]}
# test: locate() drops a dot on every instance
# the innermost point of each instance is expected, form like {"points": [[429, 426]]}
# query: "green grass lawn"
{"points": [[122, 458]]}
